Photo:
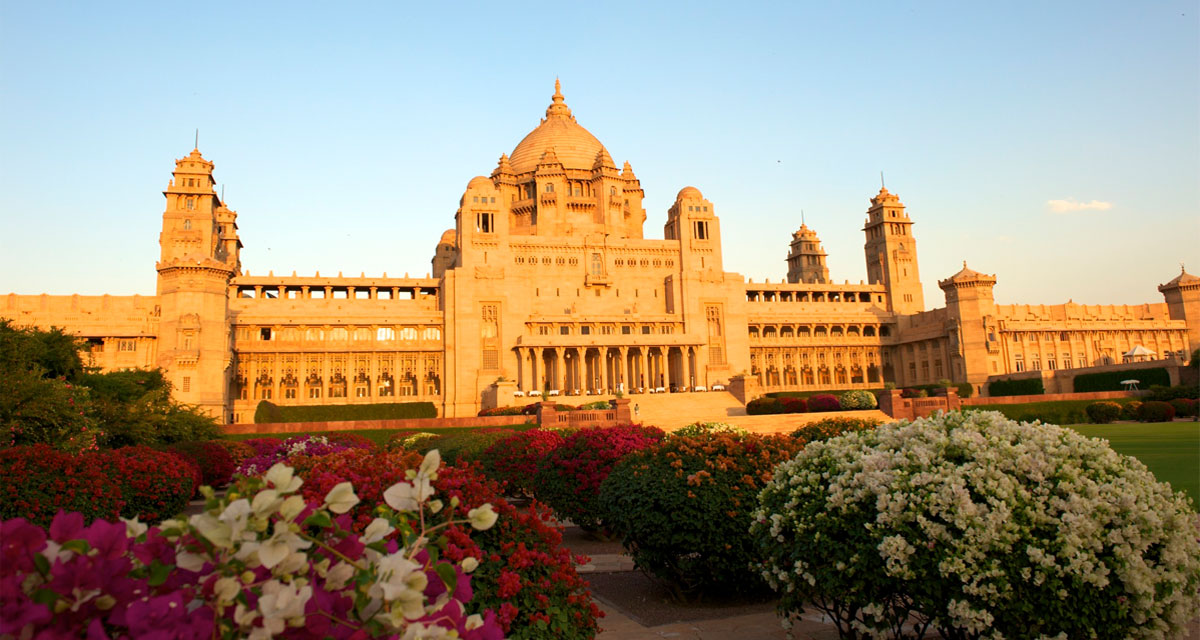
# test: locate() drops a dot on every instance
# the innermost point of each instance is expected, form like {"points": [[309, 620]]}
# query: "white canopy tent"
{"points": [[1138, 354]]}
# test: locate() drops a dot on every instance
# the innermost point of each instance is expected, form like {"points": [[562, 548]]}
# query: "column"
{"points": [[702, 367], [558, 369], [644, 373], [536, 370], [624, 376]]}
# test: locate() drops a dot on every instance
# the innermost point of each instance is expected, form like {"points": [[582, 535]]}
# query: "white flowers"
{"points": [[409, 496], [970, 510], [341, 498], [482, 517]]}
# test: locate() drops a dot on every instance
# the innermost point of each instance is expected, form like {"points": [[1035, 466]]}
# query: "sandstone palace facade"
{"points": [[547, 282]]}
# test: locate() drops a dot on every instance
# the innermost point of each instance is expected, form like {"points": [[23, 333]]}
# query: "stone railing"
{"points": [[549, 417], [901, 408]]}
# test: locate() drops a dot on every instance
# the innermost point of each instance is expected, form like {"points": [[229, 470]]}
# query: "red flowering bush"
{"points": [[239, 451], [264, 446], [569, 477], [764, 406], [684, 506], [823, 402], [1154, 411], [153, 485], [794, 405], [38, 481], [513, 461], [501, 411], [525, 575], [1184, 407], [215, 463], [351, 439]]}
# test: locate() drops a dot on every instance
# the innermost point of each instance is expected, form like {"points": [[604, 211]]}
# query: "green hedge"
{"points": [[1111, 380], [269, 412], [1025, 387], [808, 394], [1060, 412]]}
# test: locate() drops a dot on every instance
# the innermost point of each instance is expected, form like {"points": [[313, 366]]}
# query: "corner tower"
{"points": [[806, 258], [971, 306], [1182, 295], [199, 255], [891, 252]]}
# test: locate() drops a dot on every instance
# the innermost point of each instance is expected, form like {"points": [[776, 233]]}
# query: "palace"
{"points": [[548, 283]]}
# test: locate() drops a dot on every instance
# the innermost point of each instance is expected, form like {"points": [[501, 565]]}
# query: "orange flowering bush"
{"points": [[683, 507]]}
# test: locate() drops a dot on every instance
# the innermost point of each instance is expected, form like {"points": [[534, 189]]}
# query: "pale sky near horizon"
{"points": [[1056, 145]]}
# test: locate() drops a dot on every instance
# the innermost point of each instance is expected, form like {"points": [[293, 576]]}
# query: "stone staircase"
{"points": [[670, 411]]}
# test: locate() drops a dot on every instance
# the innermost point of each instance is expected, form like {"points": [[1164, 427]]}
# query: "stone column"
{"points": [[558, 369], [623, 376], [702, 367], [644, 379], [538, 374]]}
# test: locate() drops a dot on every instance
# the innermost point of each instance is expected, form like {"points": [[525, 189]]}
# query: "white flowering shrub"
{"points": [[702, 428], [979, 527], [858, 399]]}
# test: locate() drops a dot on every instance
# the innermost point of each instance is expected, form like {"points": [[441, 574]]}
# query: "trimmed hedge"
{"points": [[1130, 410], [1184, 407], [831, 427], [1024, 387], [268, 412], [764, 406], [823, 402], [1111, 380]]}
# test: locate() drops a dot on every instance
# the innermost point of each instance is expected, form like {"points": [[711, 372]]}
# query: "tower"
{"points": [[971, 325], [891, 252], [199, 255], [806, 259], [1182, 295]]}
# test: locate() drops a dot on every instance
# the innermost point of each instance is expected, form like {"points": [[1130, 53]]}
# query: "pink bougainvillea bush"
{"points": [[569, 477], [259, 563], [272, 451], [513, 461], [526, 576]]}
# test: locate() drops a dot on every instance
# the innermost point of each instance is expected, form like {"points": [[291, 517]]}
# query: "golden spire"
{"points": [[559, 106]]}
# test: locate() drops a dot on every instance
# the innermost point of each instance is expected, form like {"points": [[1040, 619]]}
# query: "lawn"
{"points": [[1170, 449], [378, 436]]}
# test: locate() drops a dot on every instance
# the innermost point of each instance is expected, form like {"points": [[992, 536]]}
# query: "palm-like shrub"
{"points": [[983, 527]]}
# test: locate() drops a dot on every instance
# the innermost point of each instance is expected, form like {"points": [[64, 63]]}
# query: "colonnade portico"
{"points": [[600, 370]]}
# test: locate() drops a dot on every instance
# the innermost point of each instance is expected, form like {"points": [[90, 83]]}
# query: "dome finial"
{"points": [[559, 106], [964, 264]]}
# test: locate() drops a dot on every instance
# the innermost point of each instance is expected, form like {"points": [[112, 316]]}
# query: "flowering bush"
{"points": [[1103, 412], [569, 477], [1129, 410], [981, 527], [53, 411], [793, 405], [501, 411], [684, 505], [409, 440], [215, 464], [263, 445], [38, 481], [823, 402], [238, 451], [299, 445], [827, 428], [763, 406], [1154, 411], [526, 575], [255, 566], [513, 460], [152, 484], [704, 428], [858, 399], [1184, 407], [351, 439]]}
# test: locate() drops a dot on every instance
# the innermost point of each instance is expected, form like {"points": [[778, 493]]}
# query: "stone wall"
{"points": [[417, 424]]}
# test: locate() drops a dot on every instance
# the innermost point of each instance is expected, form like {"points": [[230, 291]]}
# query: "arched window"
{"points": [[187, 224]]}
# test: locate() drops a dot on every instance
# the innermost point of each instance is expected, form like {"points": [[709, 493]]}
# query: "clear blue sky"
{"points": [[345, 136]]}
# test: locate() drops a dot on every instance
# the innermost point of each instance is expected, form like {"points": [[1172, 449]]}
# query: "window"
{"points": [[585, 330], [549, 188], [187, 384], [606, 330], [264, 334], [126, 345], [543, 331], [191, 203], [701, 229], [1020, 364], [339, 334], [385, 333], [626, 330], [187, 225], [646, 330], [564, 331], [485, 222], [597, 265], [431, 333]]}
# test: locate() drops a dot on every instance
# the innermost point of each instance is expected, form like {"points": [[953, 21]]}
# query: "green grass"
{"points": [[1170, 449], [378, 436]]}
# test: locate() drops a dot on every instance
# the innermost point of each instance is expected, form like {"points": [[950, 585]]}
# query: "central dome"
{"points": [[575, 146]]}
